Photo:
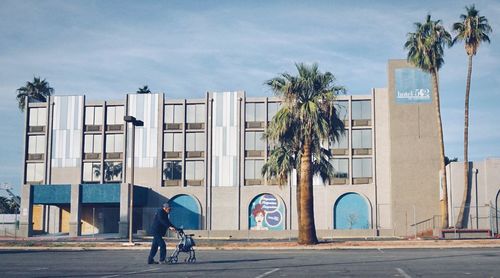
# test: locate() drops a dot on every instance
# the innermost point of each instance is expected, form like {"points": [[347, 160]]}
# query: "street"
{"points": [[483, 262]]}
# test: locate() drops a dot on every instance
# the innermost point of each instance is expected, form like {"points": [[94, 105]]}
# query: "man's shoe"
{"points": [[163, 262], [152, 262]]}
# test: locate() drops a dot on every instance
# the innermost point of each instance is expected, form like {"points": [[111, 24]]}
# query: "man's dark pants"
{"points": [[157, 241]]}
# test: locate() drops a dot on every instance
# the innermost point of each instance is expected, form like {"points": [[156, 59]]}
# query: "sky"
{"points": [[105, 49]]}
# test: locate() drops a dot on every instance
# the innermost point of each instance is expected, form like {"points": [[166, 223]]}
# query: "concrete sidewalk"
{"points": [[29, 244]]}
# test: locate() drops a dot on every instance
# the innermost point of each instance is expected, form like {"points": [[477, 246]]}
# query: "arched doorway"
{"points": [[351, 211], [266, 212], [186, 212]]}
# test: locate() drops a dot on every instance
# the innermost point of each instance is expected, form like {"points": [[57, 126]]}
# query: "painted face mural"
{"points": [[267, 213]]}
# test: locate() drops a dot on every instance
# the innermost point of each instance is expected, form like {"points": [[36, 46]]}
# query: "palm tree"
{"points": [[473, 29], [425, 50], [144, 90], [307, 117], [284, 159], [37, 91]]}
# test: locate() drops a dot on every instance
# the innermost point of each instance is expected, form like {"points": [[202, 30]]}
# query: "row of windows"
{"points": [[361, 168], [174, 113], [195, 141], [195, 170]]}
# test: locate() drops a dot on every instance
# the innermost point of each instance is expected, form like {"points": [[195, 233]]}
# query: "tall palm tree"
{"points": [[472, 29], [37, 91], [144, 90], [307, 117], [426, 51]]}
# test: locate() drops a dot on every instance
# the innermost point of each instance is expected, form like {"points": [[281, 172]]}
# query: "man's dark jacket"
{"points": [[160, 223]]}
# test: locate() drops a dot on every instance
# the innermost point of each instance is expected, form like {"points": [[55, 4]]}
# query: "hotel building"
{"points": [[205, 156]]}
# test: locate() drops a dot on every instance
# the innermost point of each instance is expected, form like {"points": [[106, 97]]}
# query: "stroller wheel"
{"points": [[173, 260]]}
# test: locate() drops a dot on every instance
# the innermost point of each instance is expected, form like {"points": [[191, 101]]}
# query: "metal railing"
{"points": [[427, 226]]}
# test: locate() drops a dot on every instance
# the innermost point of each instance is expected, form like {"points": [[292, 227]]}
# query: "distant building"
{"points": [[205, 157]]}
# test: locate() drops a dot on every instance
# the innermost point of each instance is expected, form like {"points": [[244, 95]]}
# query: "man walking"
{"points": [[160, 225]]}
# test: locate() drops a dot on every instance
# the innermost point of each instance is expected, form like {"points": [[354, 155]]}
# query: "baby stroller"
{"points": [[185, 245]]}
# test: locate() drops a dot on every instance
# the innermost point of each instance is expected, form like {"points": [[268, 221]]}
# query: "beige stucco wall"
{"points": [[485, 187], [383, 159], [414, 158]]}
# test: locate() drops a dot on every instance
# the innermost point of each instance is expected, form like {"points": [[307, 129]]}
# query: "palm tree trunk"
{"points": [[444, 187], [298, 199], [307, 229], [462, 216]]}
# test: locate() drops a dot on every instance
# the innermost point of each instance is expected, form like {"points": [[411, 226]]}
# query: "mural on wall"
{"points": [[185, 212], [267, 212], [412, 86], [351, 212]]}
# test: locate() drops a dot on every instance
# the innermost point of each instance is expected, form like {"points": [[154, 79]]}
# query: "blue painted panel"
{"points": [[351, 212], [266, 212], [412, 86], [185, 212], [100, 193], [48, 194], [140, 196]]}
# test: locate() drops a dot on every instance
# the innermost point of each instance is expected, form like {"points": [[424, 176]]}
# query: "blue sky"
{"points": [[105, 49]]}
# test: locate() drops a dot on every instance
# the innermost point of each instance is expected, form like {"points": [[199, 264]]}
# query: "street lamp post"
{"points": [[134, 122]]}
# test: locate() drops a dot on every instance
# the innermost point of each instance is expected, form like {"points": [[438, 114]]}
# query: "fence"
{"points": [[9, 225], [478, 217]]}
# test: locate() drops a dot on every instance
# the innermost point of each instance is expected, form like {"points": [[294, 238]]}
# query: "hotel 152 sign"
{"points": [[413, 86]]}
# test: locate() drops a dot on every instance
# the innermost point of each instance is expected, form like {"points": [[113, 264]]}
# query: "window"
{"points": [[172, 170], [195, 142], [195, 170], [114, 115], [174, 114], [93, 143], [255, 112], [254, 141], [34, 172], [112, 171], [361, 110], [36, 144], [341, 142], [93, 115], [195, 113], [253, 169], [362, 139], [114, 143], [341, 168], [37, 116], [272, 109], [342, 109], [91, 171], [362, 168], [173, 142]]}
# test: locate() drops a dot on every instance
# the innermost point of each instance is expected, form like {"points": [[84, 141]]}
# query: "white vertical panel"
{"points": [[67, 131], [225, 139], [144, 107]]}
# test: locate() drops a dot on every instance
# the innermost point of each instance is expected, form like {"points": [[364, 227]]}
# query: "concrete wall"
{"points": [[383, 159], [414, 156]]}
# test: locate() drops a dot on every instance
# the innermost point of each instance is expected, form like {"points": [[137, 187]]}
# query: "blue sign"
{"points": [[413, 86]]}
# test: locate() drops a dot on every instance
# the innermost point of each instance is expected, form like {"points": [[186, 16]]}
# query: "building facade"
{"points": [[205, 157]]}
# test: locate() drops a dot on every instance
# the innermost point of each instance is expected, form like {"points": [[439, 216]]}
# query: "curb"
{"points": [[251, 248]]}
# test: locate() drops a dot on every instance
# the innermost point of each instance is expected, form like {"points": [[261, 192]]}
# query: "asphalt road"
{"points": [[312, 263]]}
